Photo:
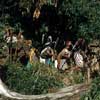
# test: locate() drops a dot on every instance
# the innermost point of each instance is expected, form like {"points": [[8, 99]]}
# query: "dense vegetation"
{"points": [[39, 79], [70, 19], [94, 91], [66, 20]]}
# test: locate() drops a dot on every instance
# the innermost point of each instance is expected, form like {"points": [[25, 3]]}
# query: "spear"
{"points": [[56, 42]]}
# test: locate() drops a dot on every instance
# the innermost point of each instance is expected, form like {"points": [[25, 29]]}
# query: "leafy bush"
{"points": [[36, 80], [94, 92], [78, 77], [84, 17]]}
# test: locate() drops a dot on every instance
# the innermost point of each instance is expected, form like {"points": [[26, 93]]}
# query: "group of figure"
{"points": [[62, 59], [22, 49], [16, 44], [72, 57]]}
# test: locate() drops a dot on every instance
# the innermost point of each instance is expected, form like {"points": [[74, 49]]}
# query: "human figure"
{"points": [[47, 53], [6, 33], [33, 57], [36, 13], [19, 44], [11, 42], [81, 59], [20, 36], [80, 44], [49, 41], [63, 57]]}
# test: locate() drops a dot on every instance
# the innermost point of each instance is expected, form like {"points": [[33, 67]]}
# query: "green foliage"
{"points": [[25, 3], [83, 16], [44, 29], [79, 17], [78, 77], [94, 92], [36, 80], [2, 27]]}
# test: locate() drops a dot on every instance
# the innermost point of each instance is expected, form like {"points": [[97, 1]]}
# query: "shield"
{"points": [[78, 58]]}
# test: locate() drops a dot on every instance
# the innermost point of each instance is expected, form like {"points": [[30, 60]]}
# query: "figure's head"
{"points": [[68, 43], [49, 39]]}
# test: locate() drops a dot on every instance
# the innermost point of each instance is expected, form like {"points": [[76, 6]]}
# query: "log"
{"points": [[61, 94]]}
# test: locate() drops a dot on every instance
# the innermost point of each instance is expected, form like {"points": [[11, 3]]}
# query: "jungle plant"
{"points": [[36, 80], [94, 91]]}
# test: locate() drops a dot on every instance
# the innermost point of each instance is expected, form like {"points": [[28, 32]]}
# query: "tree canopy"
{"points": [[67, 19]]}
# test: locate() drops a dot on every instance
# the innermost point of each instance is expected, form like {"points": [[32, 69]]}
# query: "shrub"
{"points": [[94, 91], [78, 77], [36, 80]]}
